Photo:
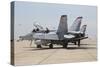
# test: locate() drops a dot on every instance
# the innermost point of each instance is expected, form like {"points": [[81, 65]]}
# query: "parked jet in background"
{"points": [[60, 36]]}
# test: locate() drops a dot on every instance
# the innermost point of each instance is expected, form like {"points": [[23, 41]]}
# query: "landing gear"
{"points": [[65, 45], [39, 46], [75, 43], [31, 43], [51, 46], [78, 43]]}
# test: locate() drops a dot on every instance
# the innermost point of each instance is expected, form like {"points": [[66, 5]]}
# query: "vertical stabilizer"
{"points": [[76, 24], [62, 28], [83, 29]]}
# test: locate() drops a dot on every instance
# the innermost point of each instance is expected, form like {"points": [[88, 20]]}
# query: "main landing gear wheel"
{"points": [[51, 46], [39, 46], [65, 45], [78, 43], [75, 43]]}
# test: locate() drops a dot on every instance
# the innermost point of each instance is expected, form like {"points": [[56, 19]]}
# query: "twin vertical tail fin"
{"points": [[62, 28], [76, 24], [83, 29]]}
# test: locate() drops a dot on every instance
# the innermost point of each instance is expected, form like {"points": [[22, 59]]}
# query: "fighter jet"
{"points": [[61, 36]]}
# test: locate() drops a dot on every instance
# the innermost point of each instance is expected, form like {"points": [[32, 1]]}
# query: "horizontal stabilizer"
{"points": [[69, 36]]}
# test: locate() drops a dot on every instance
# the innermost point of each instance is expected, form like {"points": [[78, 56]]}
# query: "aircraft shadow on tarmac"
{"points": [[68, 48]]}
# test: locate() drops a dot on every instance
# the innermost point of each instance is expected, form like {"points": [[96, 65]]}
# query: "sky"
{"points": [[48, 15]]}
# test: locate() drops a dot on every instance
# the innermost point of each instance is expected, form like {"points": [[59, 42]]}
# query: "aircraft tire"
{"points": [[78, 43], [51, 46], [75, 43], [39, 46], [65, 45]]}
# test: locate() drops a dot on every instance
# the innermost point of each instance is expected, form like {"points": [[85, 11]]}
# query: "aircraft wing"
{"points": [[46, 36], [51, 36]]}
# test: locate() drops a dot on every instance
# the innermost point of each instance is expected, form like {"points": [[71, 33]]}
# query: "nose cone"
{"points": [[29, 36]]}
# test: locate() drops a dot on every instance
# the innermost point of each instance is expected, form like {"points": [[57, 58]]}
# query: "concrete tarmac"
{"points": [[26, 55]]}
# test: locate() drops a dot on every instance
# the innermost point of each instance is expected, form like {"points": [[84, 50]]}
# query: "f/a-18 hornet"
{"points": [[61, 36]]}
